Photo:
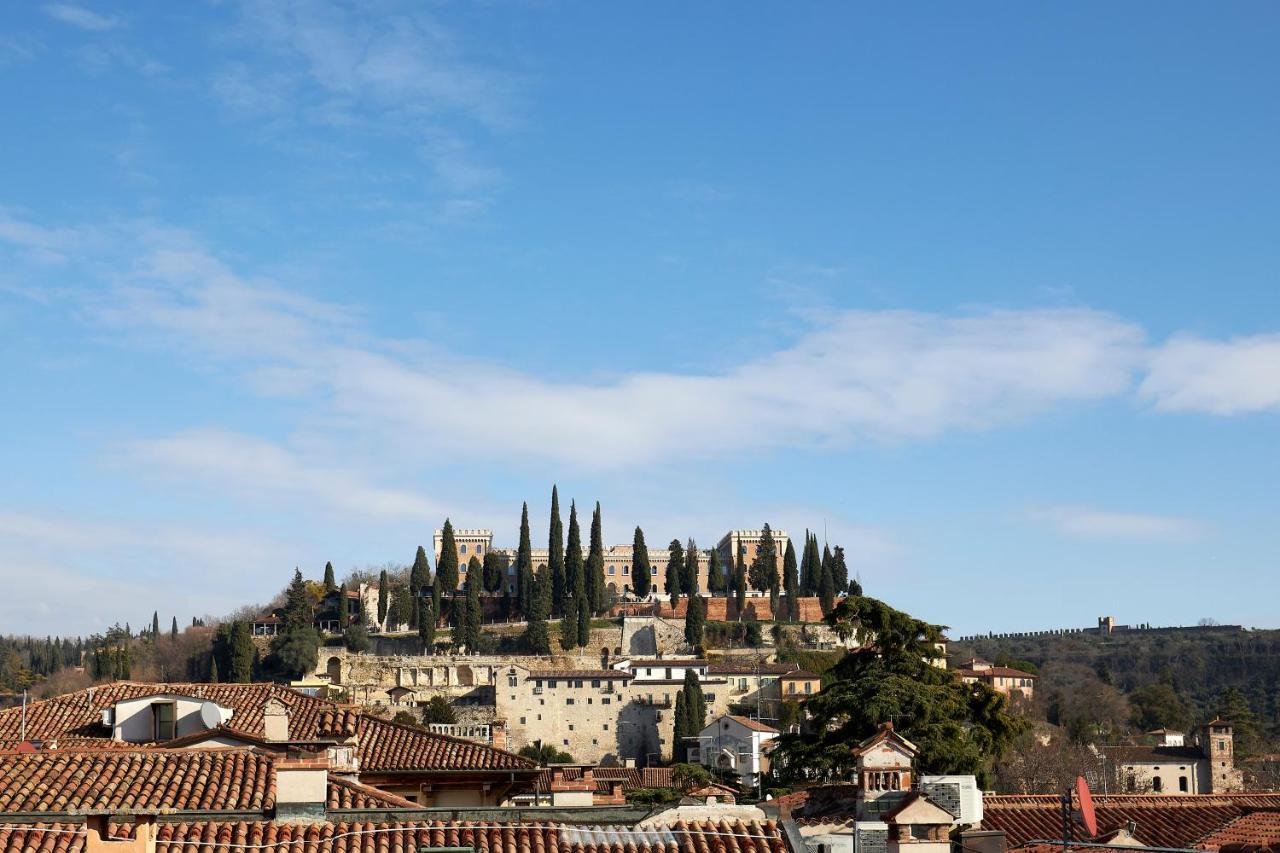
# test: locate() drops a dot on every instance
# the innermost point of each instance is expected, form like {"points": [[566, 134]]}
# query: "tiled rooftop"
{"points": [[1262, 828], [1162, 821], [409, 837], [387, 747]]}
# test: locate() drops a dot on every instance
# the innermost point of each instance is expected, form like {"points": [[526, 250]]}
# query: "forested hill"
{"points": [[1199, 664]]}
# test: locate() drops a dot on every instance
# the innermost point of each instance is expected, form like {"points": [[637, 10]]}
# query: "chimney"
{"points": [[97, 839], [498, 734], [302, 788], [275, 720]]}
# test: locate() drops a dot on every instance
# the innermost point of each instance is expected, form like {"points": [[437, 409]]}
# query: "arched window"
{"points": [[462, 549]]}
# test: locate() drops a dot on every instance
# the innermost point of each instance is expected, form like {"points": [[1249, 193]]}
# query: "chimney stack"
{"points": [[275, 720], [302, 788]]}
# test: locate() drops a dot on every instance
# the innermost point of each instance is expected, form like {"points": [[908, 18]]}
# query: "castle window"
{"points": [[462, 549]]}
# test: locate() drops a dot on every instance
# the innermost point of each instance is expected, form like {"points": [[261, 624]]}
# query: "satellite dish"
{"points": [[1087, 813], [210, 714]]}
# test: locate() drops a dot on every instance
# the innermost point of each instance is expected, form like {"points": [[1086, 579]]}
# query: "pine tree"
{"points": [[295, 649], [641, 571], [695, 620], [329, 583], [675, 571], [447, 569], [574, 579], [740, 580], [297, 606], [715, 573], [555, 555], [790, 582], [596, 593], [689, 582], [764, 568], [384, 597]]}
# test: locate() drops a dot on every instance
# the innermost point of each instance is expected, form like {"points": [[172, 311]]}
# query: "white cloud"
{"points": [[1086, 523], [1231, 377], [79, 16], [261, 469]]}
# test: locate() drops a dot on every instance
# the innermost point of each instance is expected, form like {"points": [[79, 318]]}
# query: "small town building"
{"points": [[736, 744]]}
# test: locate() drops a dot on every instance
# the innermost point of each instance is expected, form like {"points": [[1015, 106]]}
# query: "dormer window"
{"points": [[164, 720]]}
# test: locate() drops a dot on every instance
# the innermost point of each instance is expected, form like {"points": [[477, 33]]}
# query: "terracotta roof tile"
{"points": [[387, 747], [1162, 820], [409, 837], [1255, 828]]}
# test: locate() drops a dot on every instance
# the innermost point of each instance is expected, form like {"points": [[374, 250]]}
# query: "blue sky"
{"points": [[989, 293]]}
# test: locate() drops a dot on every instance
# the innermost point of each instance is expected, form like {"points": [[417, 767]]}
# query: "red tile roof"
{"points": [[750, 668], [747, 722], [154, 780], [383, 746], [387, 747], [1162, 820], [409, 837], [579, 674], [1255, 828]]}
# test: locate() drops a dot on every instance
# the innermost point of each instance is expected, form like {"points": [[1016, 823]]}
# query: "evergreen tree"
{"points": [[295, 649], [675, 571], [596, 593], [419, 577], [329, 583], [575, 582], [447, 571], [384, 597], [555, 555], [343, 617], [826, 565], [680, 729], [524, 563], [584, 621], [695, 620], [524, 587], [427, 620], [826, 588], [764, 568], [495, 571], [213, 668], [740, 580], [173, 629], [790, 582], [536, 633], [808, 578], [474, 614], [839, 570], [715, 573], [155, 625], [242, 652], [689, 579], [641, 571]]}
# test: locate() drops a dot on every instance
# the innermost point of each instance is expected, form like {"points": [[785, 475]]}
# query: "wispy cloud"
{"points": [[1238, 376], [1087, 523], [81, 17]]}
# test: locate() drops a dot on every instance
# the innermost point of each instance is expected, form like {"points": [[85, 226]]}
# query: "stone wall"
{"points": [[651, 635]]}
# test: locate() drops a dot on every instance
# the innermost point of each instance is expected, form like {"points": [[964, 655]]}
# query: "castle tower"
{"points": [[1217, 742]]}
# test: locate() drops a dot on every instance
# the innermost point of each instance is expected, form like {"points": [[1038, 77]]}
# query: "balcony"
{"points": [[651, 702]]}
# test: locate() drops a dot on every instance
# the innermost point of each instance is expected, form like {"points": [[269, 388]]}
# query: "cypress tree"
{"points": [[790, 582], [764, 568], [213, 667], [839, 570], [155, 625], [447, 565], [689, 583], [419, 577], [342, 607], [595, 567], [826, 562], [675, 571], [384, 597], [524, 595], [826, 589], [808, 560], [584, 620], [575, 582], [475, 614], [695, 620], [524, 565], [173, 629], [641, 571], [427, 619], [555, 555], [680, 731], [495, 571], [329, 583], [740, 580], [242, 653], [715, 573], [536, 634]]}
